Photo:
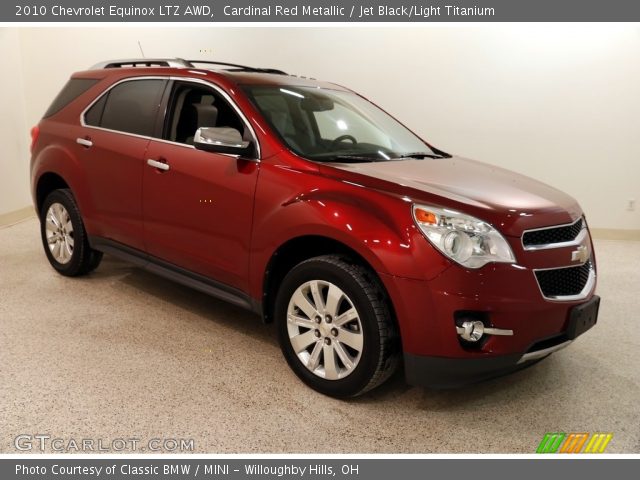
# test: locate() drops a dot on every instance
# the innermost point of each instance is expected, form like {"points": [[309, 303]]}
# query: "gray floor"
{"points": [[124, 354]]}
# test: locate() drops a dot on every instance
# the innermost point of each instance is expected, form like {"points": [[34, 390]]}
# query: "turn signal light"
{"points": [[424, 216]]}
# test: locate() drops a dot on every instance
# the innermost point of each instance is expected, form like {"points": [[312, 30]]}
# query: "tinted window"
{"points": [[72, 90], [94, 114], [132, 106]]}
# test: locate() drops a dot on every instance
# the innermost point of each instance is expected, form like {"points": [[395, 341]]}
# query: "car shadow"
{"points": [[249, 324], [497, 390], [186, 298]]}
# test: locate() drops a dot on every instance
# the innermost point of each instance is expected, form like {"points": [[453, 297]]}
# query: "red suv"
{"points": [[305, 203]]}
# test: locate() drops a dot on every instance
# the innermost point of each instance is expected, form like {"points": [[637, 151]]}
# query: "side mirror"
{"points": [[221, 140]]}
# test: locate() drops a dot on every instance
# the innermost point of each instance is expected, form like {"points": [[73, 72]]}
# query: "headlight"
{"points": [[464, 239]]}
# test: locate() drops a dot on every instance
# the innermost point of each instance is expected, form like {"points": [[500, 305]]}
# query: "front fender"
{"points": [[376, 225]]}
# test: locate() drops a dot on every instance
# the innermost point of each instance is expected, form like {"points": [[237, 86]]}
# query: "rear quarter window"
{"points": [[72, 90]]}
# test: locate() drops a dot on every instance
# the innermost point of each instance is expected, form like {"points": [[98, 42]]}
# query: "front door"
{"points": [[198, 206]]}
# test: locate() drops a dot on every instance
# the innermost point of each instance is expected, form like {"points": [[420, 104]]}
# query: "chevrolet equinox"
{"points": [[305, 203]]}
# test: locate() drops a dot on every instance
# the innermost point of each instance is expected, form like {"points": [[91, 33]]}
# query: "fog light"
{"points": [[471, 331]]}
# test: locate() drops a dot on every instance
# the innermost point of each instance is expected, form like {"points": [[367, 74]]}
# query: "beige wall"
{"points": [[14, 134], [557, 102]]}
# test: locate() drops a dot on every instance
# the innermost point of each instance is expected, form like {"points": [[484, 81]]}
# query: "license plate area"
{"points": [[583, 317]]}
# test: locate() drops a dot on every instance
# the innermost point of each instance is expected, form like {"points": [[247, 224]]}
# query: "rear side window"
{"points": [[72, 90], [129, 107], [94, 115]]}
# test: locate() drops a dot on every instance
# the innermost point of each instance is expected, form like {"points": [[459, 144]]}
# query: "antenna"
{"points": [[141, 51]]}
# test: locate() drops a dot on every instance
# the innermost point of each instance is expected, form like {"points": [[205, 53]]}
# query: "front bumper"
{"points": [[443, 372], [440, 372], [506, 296]]}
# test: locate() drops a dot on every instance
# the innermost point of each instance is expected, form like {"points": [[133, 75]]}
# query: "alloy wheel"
{"points": [[324, 329], [59, 233]]}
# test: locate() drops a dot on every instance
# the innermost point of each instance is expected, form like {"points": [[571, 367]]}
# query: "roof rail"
{"points": [[143, 62], [235, 66], [177, 63]]}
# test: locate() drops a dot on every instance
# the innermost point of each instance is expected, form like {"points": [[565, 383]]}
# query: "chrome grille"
{"points": [[552, 235], [557, 283]]}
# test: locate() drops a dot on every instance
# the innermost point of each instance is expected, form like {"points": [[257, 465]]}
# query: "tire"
{"points": [[349, 344], [64, 237]]}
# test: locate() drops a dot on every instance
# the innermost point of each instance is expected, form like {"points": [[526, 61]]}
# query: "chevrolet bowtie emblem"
{"points": [[581, 254]]}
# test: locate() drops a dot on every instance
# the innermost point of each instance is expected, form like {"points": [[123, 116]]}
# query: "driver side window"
{"points": [[194, 106]]}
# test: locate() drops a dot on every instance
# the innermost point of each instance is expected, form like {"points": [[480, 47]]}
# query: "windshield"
{"points": [[335, 126]]}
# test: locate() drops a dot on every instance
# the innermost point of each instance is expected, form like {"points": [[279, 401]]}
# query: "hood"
{"points": [[508, 200]]}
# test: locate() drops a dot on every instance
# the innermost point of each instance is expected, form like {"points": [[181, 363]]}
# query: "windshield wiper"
{"points": [[421, 155], [355, 158]]}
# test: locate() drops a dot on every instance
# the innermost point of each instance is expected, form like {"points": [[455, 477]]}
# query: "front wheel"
{"points": [[335, 326]]}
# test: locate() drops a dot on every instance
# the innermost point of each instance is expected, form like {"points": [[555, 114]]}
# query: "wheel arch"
{"points": [[301, 248], [47, 183]]}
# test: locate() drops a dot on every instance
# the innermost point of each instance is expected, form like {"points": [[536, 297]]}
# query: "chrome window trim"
{"points": [[576, 241], [180, 79], [584, 293]]}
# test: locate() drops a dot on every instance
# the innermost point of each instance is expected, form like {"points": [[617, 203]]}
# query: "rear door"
{"points": [[115, 136], [198, 205]]}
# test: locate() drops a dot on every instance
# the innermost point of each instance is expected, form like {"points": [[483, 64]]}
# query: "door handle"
{"points": [[157, 164], [85, 142]]}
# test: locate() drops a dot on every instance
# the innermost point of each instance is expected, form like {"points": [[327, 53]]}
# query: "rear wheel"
{"points": [[335, 327], [64, 237]]}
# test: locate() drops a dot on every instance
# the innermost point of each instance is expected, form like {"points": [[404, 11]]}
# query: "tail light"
{"points": [[35, 132]]}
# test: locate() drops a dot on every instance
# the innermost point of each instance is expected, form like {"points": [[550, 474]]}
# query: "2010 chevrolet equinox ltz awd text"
{"points": [[305, 203]]}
